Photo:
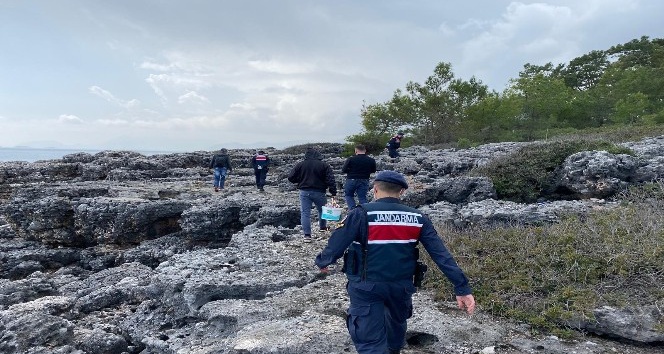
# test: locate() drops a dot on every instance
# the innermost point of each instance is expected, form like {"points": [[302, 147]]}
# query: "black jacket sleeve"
{"points": [[329, 179], [294, 176], [346, 167], [228, 163]]}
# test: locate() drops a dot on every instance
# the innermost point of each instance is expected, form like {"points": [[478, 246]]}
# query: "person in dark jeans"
{"points": [[260, 163], [394, 144], [221, 164], [358, 169], [313, 177]]}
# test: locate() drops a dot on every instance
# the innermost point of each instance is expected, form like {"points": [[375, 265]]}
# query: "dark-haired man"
{"points": [[380, 244], [358, 169]]}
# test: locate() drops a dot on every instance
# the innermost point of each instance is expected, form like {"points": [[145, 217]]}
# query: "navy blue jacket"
{"points": [[391, 232], [394, 143], [260, 161]]}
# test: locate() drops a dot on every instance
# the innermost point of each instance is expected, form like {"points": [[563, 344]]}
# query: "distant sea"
{"points": [[35, 154]]}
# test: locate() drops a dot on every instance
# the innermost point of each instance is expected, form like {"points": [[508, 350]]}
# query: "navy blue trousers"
{"points": [[377, 314], [261, 175]]}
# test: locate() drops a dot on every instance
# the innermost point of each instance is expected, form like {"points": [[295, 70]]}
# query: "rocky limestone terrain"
{"points": [[123, 253]]}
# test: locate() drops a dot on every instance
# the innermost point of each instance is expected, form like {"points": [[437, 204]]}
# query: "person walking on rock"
{"points": [[358, 169], [221, 164], [394, 144], [260, 162], [313, 177], [380, 241]]}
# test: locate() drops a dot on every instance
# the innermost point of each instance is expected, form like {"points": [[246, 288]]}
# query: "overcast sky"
{"points": [[202, 74]]}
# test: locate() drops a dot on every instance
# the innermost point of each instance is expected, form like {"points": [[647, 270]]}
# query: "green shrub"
{"points": [[551, 275], [464, 143], [374, 142], [325, 148], [523, 175], [349, 150]]}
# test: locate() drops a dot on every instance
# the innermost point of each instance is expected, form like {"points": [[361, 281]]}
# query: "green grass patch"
{"points": [[551, 275], [615, 134]]}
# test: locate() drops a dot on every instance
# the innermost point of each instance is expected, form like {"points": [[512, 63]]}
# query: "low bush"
{"points": [[324, 148], [616, 134], [374, 142], [523, 175], [554, 274]]}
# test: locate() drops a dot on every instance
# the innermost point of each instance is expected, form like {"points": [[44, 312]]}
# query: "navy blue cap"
{"points": [[392, 177]]}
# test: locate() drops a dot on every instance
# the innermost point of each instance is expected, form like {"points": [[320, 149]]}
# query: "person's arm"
{"points": [[212, 162], [341, 238], [329, 180], [228, 162], [294, 175], [253, 161], [373, 165], [346, 167], [434, 245]]}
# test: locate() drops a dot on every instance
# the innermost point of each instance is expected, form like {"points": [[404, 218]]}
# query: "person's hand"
{"points": [[467, 302], [325, 270]]}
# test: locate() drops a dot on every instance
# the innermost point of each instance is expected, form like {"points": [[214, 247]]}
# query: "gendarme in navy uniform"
{"points": [[379, 244]]}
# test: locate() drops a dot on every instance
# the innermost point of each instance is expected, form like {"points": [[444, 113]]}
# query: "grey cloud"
{"points": [[297, 68]]}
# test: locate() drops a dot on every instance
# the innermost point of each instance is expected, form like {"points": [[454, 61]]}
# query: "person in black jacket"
{"points": [[260, 163], [221, 164], [313, 177], [379, 244], [358, 169], [394, 144]]}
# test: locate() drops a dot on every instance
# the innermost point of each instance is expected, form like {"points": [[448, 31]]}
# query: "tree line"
{"points": [[623, 85]]}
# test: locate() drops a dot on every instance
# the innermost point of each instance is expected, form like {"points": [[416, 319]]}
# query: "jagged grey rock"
{"points": [[138, 254], [595, 174], [455, 190], [634, 323], [501, 212]]}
